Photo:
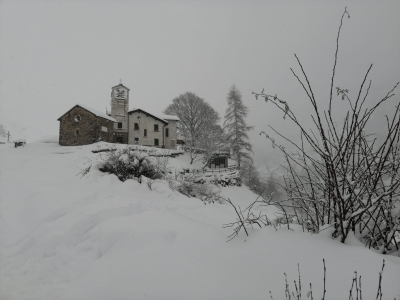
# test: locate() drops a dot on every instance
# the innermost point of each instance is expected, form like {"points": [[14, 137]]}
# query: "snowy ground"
{"points": [[66, 237]]}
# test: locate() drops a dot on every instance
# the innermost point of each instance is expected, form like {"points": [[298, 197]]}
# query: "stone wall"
{"points": [[89, 129]]}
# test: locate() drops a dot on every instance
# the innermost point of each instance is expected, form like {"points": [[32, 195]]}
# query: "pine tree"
{"points": [[236, 127]]}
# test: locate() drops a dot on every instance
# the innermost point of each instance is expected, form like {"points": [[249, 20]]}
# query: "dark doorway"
{"points": [[120, 140]]}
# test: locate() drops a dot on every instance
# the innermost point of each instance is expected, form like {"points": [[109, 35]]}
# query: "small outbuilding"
{"points": [[83, 125], [218, 161]]}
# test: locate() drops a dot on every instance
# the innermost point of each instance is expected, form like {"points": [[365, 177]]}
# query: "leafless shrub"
{"points": [[261, 186], [84, 171], [348, 181], [207, 193], [355, 292], [249, 218], [203, 191]]}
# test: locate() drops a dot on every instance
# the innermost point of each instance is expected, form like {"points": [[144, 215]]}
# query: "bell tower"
{"points": [[119, 111]]}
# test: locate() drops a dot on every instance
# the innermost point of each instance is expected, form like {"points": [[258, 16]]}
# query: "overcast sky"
{"points": [[54, 54]]}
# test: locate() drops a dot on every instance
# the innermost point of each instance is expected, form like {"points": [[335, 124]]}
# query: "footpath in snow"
{"points": [[63, 237]]}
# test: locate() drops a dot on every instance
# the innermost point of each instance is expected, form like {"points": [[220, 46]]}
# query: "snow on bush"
{"points": [[225, 178], [129, 163], [106, 147], [203, 191]]}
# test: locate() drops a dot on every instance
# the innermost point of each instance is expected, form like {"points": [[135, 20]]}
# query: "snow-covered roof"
{"points": [[157, 117], [162, 117], [168, 117], [93, 111]]}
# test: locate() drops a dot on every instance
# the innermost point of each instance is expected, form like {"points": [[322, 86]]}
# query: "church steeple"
{"points": [[119, 111]]}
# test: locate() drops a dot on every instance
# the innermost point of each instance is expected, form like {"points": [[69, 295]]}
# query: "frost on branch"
{"points": [[349, 182]]}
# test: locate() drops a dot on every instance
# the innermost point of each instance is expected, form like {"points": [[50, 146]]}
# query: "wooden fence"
{"points": [[171, 153], [209, 170]]}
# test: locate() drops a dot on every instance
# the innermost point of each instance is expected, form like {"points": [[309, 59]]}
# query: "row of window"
{"points": [[156, 141], [137, 128]]}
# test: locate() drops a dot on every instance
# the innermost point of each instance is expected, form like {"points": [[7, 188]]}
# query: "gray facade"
{"points": [[80, 126]]}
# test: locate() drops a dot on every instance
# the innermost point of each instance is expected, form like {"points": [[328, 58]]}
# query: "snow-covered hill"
{"points": [[67, 237]]}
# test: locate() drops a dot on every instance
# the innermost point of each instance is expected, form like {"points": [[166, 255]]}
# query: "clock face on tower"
{"points": [[119, 94]]}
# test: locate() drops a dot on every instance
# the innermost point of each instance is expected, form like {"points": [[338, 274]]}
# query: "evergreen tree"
{"points": [[236, 127]]}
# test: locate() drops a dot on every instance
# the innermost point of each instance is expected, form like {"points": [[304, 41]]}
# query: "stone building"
{"points": [[151, 130], [83, 125]]}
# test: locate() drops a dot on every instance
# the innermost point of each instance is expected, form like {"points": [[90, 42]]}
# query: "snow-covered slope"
{"points": [[67, 237]]}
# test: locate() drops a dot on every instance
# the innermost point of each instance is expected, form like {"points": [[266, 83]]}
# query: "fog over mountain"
{"points": [[54, 54]]}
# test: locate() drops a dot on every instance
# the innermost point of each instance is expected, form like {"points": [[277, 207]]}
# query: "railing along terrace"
{"points": [[210, 170]]}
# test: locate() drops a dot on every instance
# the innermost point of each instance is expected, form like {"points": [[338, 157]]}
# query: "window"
{"points": [[77, 131], [166, 132], [77, 118], [136, 141], [156, 142], [136, 126], [155, 127], [218, 162], [119, 125], [145, 132]]}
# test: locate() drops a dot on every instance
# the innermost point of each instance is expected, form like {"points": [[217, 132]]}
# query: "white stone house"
{"points": [[149, 129]]}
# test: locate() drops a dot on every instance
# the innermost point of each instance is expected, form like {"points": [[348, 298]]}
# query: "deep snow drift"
{"points": [[66, 237]]}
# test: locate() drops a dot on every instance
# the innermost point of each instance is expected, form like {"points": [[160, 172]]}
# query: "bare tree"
{"points": [[212, 141], [236, 127], [348, 181], [195, 115]]}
